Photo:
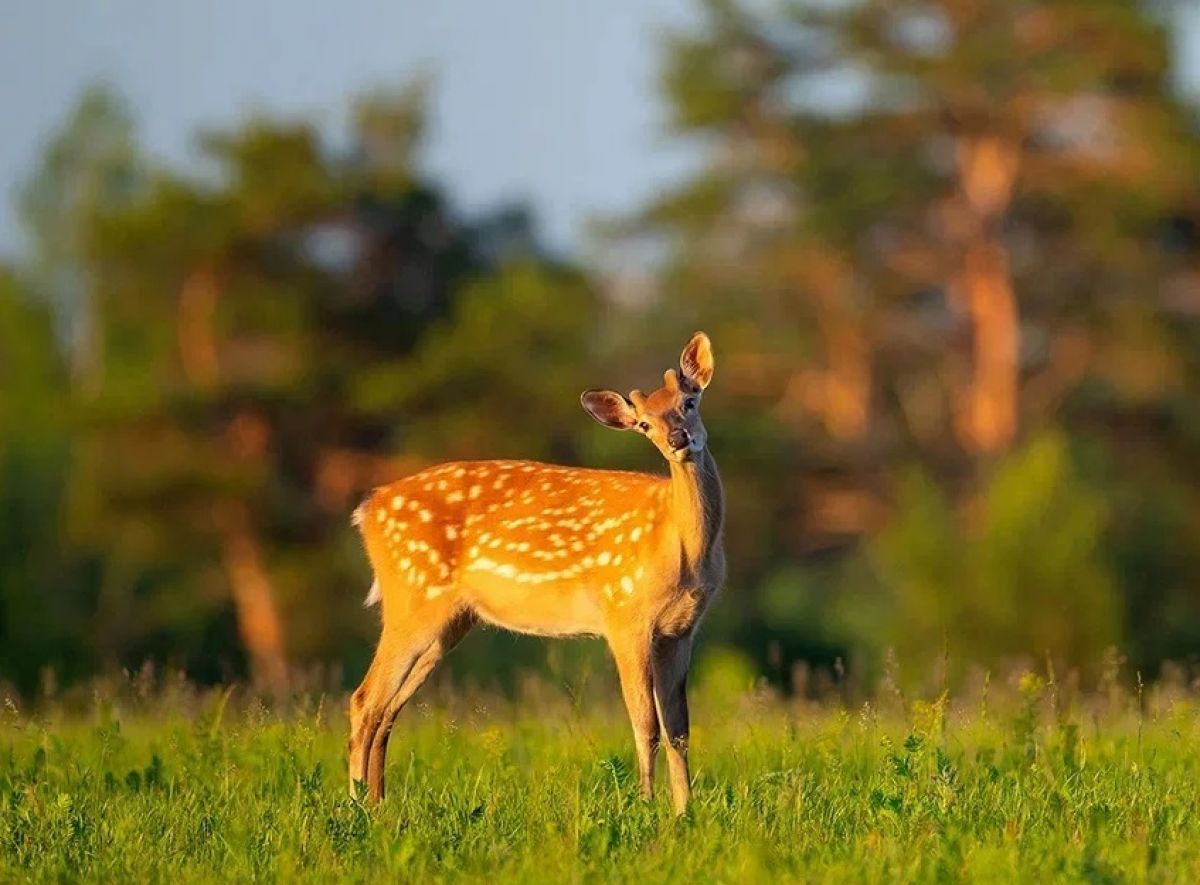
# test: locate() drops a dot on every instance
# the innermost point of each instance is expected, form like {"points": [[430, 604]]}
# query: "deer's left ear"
{"points": [[696, 361], [609, 408]]}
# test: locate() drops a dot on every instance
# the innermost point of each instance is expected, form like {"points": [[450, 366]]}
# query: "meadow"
{"points": [[1017, 779]]}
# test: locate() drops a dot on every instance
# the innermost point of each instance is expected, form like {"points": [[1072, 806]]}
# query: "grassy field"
{"points": [[1016, 784]]}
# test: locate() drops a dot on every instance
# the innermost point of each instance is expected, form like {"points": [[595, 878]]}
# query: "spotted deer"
{"points": [[554, 551]]}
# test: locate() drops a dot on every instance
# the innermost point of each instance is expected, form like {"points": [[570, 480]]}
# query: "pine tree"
{"points": [[964, 215], [969, 169], [288, 330], [930, 231]]}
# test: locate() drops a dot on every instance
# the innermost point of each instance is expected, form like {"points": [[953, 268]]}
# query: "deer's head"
{"points": [[670, 416]]}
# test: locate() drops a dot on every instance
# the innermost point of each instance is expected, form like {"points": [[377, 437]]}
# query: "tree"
{"points": [[43, 614], [90, 165], [298, 326], [924, 230], [876, 166]]}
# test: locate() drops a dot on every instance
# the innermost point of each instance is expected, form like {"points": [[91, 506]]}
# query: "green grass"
{"points": [[184, 786]]}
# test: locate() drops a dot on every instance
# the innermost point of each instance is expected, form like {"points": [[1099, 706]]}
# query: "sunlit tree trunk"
{"points": [[839, 393], [847, 377], [259, 624], [987, 406], [258, 620]]}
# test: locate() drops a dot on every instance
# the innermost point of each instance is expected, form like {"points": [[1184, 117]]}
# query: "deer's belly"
{"points": [[549, 610]]}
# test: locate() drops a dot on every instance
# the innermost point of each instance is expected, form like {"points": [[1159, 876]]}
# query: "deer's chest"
{"points": [[684, 609]]}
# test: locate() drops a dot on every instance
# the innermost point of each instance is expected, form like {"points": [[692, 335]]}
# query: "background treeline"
{"points": [[948, 252]]}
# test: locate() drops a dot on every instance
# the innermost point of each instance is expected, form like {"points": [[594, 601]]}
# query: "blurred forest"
{"points": [[948, 252]]}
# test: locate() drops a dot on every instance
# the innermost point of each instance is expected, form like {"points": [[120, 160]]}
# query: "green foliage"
{"points": [[461, 396], [1024, 573], [203, 788], [275, 336], [231, 359], [42, 611], [821, 243]]}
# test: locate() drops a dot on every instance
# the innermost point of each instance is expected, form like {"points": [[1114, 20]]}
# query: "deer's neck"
{"points": [[697, 507]]}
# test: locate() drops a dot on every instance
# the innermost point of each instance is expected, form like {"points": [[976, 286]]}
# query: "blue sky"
{"points": [[553, 101]]}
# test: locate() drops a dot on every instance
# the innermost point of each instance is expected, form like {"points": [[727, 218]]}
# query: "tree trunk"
{"points": [[987, 406], [258, 620], [847, 387], [988, 412], [839, 393]]}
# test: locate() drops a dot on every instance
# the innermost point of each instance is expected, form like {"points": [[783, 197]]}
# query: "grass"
{"points": [[187, 785]]}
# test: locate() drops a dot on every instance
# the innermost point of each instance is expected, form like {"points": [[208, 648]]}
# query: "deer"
{"points": [[634, 558]]}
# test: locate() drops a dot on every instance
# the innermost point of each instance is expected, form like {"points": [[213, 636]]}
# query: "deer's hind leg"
{"points": [[672, 658], [395, 656], [441, 633]]}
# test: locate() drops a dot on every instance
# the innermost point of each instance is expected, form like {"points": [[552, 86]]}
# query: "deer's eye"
{"points": [[643, 426], [689, 404]]}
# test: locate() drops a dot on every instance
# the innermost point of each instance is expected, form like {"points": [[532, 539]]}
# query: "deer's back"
{"points": [[535, 547]]}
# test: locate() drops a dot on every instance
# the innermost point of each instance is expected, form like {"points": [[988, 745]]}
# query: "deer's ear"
{"points": [[696, 361], [609, 408]]}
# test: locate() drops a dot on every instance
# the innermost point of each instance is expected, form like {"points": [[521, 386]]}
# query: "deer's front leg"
{"points": [[632, 655], [672, 658]]}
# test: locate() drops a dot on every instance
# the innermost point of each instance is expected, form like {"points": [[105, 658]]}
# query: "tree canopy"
{"points": [[947, 251]]}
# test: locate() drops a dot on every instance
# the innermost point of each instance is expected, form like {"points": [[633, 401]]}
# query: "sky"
{"points": [[550, 101]]}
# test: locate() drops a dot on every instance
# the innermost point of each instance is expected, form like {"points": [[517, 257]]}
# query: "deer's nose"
{"points": [[678, 438]]}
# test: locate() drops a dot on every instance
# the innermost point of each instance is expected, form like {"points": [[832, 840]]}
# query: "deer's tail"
{"points": [[358, 519]]}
